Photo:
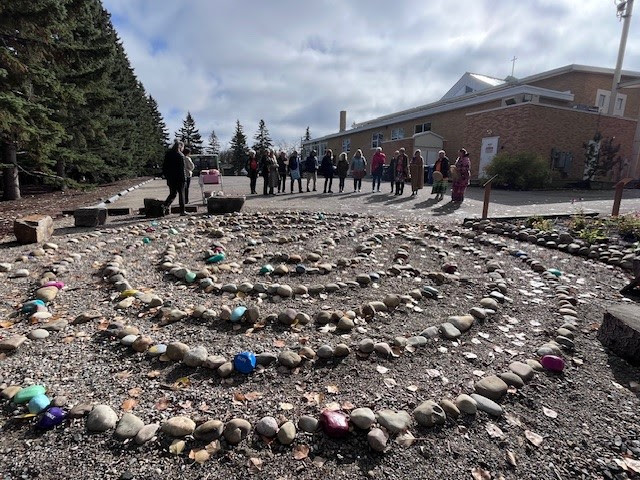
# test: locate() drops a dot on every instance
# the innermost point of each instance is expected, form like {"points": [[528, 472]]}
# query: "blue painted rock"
{"points": [[32, 305], [238, 313], [555, 272], [51, 418], [26, 394], [301, 269], [244, 362], [38, 403], [266, 269]]}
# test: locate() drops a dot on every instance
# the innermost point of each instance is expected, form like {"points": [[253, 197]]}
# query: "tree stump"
{"points": [[620, 332], [220, 205]]}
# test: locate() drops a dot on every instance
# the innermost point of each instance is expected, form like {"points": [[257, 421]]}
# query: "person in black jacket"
{"points": [[311, 169], [326, 169], [173, 171], [264, 169]]}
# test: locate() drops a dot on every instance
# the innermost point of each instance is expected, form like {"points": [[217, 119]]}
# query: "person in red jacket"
{"points": [[377, 167]]}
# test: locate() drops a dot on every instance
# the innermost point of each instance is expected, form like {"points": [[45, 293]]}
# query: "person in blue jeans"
{"points": [[311, 169]]}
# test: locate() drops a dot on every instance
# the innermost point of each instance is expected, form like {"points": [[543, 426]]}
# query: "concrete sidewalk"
{"points": [[503, 202]]}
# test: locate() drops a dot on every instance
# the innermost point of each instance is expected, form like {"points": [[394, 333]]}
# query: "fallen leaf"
{"points": [[511, 458], [319, 461], [390, 382], [480, 474], [405, 439], [181, 383], [410, 348], [533, 437], [332, 389], [347, 405], [279, 343], [176, 447], [68, 339], [494, 431], [333, 406], [186, 404], [199, 456], [238, 397], [203, 407], [213, 447], [512, 419], [300, 452], [382, 369], [412, 388], [549, 413], [6, 324], [433, 373], [286, 406], [135, 392], [632, 464], [123, 375], [162, 404], [154, 374], [251, 396], [254, 464], [128, 404]]}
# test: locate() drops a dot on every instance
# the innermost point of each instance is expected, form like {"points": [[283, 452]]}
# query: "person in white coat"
{"points": [[188, 171]]}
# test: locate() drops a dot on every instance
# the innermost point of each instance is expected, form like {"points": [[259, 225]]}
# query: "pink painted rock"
{"points": [[57, 284], [334, 424], [553, 363]]}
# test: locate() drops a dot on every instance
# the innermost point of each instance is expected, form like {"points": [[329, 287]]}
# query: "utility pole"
{"points": [[624, 9]]}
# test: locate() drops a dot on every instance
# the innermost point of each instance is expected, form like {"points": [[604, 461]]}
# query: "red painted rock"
{"points": [[334, 424], [553, 363]]}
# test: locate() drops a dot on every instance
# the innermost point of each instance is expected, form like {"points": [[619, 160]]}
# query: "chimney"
{"points": [[343, 120]]}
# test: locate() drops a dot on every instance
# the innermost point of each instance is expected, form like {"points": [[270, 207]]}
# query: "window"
{"points": [[423, 127], [346, 145], [376, 140], [602, 98], [397, 133], [618, 103], [322, 149]]}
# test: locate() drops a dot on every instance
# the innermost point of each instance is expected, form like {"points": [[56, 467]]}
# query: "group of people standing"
{"points": [[275, 169]]}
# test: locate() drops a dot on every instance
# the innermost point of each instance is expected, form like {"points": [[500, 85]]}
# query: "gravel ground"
{"points": [[586, 416]]}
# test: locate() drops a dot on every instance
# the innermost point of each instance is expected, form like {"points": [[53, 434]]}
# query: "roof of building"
{"points": [[482, 95]]}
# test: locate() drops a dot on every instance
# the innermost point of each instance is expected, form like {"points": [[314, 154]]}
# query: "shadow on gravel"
{"points": [[447, 208], [430, 202], [624, 372]]}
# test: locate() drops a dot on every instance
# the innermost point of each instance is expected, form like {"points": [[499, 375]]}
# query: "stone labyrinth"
{"points": [[354, 328]]}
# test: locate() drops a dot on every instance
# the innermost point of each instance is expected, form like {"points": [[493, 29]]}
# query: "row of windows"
{"points": [[378, 137]]}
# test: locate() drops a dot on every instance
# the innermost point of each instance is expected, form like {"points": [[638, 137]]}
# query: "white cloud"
{"points": [[295, 63]]}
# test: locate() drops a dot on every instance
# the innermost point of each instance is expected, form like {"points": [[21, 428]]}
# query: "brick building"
{"points": [[552, 114]]}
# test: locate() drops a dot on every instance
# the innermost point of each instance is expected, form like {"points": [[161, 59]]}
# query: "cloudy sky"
{"points": [[298, 63]]}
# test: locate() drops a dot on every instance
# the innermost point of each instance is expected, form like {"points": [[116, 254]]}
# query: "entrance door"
{"points": [[488, 151]]}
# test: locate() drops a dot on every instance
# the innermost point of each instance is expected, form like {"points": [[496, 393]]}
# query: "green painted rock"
{"points": [[26, 394]]}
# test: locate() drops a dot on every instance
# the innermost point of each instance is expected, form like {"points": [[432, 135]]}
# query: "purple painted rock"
{"points": [[553, 363], [52, 418], [334, 424], [59, 285]]}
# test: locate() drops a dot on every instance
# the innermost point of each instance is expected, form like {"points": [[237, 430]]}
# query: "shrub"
{"points": [[628, 226], [520, 171], [539, 223]]}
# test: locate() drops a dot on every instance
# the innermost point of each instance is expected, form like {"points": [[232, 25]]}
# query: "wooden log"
{"points": [[620, 331]]}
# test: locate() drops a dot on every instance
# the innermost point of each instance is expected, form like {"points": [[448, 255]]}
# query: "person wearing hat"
{"points": [[440, 175]]}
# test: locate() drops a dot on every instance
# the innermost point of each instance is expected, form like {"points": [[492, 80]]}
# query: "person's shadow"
{"points": [[429, 202], [447, 208]]}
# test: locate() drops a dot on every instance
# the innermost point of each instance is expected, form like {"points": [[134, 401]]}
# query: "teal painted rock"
{"points": [[190, 277], [173, 231], [26, 394], [146, 240], [266, 269], [238, 313], [430, 291], [217, 258], [39, 403], [555, 272], [32, 306]]}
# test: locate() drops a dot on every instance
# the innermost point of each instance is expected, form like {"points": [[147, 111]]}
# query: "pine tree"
{"points": [[307, 135], [28, 30], [238, 146], [214, 145], [190, 135], [263, 141]]}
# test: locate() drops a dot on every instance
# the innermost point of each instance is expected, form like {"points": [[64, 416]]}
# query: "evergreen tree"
{"points": [[28, 29], [307, 135], [263, 141], [238, 146], [190, 135], [214, 145]]}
